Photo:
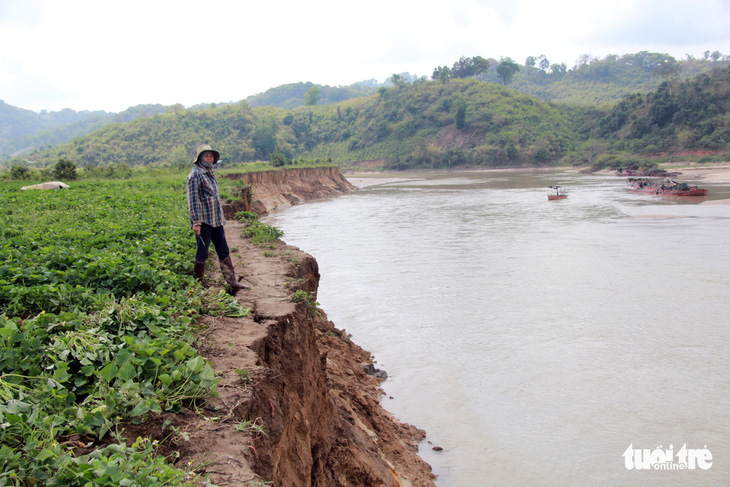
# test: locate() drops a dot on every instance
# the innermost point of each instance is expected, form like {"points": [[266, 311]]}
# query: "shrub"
{"points": [[261, 233], [19, 172], [65, 169]]}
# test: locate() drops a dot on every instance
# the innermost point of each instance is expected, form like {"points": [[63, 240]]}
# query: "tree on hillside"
{"points": [[667, 69], [397, 80], [506, 70], [19, 172], [715, 56], [441, 73], [469, 66], [584, 60], [263, 139], [559, 69], [65, 169], [311, 97], [179, 158], [460, 115], [544, 63]]}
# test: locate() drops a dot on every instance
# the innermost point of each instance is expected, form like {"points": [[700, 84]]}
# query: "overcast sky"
{"points": [[110, 55]]}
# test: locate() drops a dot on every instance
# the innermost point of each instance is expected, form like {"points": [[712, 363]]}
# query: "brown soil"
{"points": [[295, 406]]}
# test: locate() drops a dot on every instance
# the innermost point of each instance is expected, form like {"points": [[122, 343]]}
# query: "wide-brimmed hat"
{"points": [[206, 148]]}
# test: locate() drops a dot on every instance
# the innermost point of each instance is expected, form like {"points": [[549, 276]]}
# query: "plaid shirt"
{"points": [[204, 202]]}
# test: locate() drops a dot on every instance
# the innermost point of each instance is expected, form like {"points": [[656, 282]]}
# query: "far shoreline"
{"points": [[706, 171], [713, 172]]}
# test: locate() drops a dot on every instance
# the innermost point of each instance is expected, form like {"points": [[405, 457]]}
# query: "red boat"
{"points": [[665, 187], [557, 193]]}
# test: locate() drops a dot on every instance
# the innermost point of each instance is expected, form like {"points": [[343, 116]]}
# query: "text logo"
{"points": [[666, 459]]}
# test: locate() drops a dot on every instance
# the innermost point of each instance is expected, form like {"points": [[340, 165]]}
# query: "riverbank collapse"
{"points": [[296, 404]]}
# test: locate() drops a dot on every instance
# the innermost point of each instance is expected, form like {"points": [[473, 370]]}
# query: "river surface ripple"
{"points": [[535, 341]]}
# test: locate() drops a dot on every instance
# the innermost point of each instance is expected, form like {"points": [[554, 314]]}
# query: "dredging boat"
{"points": [[557, 192], [667, 186]]}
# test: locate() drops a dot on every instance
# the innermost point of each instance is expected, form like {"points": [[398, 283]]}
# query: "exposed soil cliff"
{"points": [[296, 406], [273, 190]]}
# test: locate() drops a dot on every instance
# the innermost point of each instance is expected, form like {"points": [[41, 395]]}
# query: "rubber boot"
{"points": [[229, 274], [199, 271]]}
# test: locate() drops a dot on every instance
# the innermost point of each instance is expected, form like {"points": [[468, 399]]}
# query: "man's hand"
{"points": [[196, 229]]}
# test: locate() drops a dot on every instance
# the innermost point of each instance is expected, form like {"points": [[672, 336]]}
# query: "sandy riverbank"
{"points": [[692, 172], [688, 171], [712, 171], [363, 180]]}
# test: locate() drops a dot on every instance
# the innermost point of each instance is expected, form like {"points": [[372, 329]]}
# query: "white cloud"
{"points": [[110, 55]]}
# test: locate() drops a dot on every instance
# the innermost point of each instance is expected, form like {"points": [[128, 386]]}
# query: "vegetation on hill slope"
{"points": [[427, 124], [23, 130], [590, 82], [423, 124], [693, 114], [597, 82], [295, 94], [439, 125]]}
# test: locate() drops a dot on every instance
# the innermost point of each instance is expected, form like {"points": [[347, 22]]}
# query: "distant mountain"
{"points": [[397, 118], [424, 124], [24, 130], [597, 82], [293, 95], [17, 125], [689, 115]]}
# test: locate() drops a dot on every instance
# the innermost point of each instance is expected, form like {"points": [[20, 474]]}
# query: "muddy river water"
{"points": [[577, 342]]}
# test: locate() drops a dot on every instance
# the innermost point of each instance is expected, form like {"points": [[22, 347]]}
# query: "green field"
{"points": [[98, 313]]}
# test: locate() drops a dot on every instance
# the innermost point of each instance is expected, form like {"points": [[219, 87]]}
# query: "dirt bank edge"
{"points": [[295, 405]]}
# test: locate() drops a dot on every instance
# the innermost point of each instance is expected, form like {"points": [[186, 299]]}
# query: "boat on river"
{"points": [[666, 186], [557, 192]]}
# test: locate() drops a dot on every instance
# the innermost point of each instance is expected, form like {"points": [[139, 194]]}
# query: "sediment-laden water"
{"points": [[536, 341]]}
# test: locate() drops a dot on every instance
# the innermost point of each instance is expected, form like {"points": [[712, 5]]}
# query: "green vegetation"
{"points": [[464, 122], [598, 82], [309, 300], [693, 114], [420, 125], [65, 170], [293, 95], [22, 130], [97, 328], [99, 307], [464, 117], [506, 70], [254, 427], [261, 233]]}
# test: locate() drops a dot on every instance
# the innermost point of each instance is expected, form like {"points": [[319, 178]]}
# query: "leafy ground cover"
{"points": [[98, 311]]}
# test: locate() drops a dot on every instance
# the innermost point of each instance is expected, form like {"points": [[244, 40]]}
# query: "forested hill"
{"points": [[694, 114], [590, 82], [17, 124], [297, 94], [22, 130], [596, 82], [424, 124], [433, 124]]}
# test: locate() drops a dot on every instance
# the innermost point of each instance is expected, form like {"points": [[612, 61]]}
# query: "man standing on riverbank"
{"points": [[206, 217]]}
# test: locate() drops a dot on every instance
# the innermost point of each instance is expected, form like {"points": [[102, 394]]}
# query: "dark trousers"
{"points": [[209, 234]]}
